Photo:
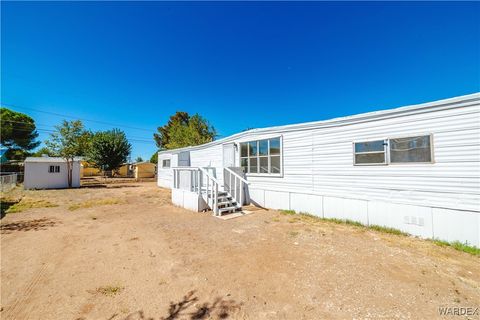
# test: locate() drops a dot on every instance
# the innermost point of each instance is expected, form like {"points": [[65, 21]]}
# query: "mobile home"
{"points": [[414, 168]]}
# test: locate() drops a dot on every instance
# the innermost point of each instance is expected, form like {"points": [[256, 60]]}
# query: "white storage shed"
{"points": [[50, 173]]}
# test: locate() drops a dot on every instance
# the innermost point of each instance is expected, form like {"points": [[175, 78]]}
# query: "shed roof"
{"points": [[49, 159]]}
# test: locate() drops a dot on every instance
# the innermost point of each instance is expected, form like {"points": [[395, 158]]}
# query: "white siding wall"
{"points": [[164, 175], [423, 199], [38, 177]]}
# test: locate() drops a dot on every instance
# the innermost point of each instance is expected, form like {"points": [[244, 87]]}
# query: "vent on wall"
{"points": [[418, 221]]}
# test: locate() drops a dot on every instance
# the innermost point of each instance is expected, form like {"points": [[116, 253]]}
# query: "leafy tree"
{"points": [[154, 158], [183, 130], [139, 159], [109, 149], [44, 150], [69, 140], [18, 133]]}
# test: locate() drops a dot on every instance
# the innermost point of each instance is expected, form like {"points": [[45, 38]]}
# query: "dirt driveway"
{"points": [[124, 252]]}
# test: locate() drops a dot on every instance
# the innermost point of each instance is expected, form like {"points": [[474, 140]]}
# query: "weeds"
{"points": [[457, 245], [109, 290], [287, 212], [464, 247], [388, 230], [94, 203], [26, 204]]}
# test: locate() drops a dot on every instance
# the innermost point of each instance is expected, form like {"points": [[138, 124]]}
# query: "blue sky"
{"points": [[240, 65]]}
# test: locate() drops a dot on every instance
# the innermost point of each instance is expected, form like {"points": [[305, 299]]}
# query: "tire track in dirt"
{"points": [[20, 304]]}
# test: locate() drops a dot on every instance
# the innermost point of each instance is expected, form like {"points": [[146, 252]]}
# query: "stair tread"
{"points": [[229, 208]]}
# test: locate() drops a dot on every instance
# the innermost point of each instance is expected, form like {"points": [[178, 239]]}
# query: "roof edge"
{"points": [[346, 120]]}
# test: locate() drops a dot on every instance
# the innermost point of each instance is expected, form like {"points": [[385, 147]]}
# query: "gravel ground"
{"points": [[124, 252]]}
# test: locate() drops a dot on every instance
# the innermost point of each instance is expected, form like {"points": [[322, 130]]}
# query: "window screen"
{"points": [[411, 149]]}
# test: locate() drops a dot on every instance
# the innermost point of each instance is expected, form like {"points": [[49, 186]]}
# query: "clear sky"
{"points": [[240, 65]]}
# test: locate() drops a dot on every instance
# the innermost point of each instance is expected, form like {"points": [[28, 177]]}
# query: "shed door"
{"points": [[184, 159], [229, 155]]}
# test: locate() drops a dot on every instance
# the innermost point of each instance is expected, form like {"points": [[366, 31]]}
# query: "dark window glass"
{"points": [[253, 165], [57, 168], [263, 147], [263, 164], [243, 149], [275, 146], [369, 146], [244, 164], [412, 149], [252, 148], [275, 164], [373, 158], [51, 169]]}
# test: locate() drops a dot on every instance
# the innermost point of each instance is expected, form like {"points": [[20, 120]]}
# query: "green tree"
{"points": [[183, 130], [18, 133], [70, 140], [139, 159], [44, 150], [109, 149], [154, 158]]}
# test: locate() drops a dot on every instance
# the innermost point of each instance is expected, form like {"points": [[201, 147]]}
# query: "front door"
{"points": [[229, 155]]}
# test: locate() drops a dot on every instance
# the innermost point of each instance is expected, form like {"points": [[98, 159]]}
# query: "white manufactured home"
{"points": [[49, 173], [414, 168]]}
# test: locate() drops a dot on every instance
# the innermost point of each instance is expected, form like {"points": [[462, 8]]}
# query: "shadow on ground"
{"points": [[109, 186], [4, 205], [27, 225], [187, 308]]}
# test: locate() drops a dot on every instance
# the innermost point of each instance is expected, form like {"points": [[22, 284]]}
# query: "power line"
{"points": [[73, 117], [52, 131], [133, 138]]}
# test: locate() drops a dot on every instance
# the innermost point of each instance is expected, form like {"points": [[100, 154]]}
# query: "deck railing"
{"points": [[198, 180], [235, 185]]}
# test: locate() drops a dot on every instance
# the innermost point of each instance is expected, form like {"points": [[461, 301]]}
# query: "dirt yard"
{"points": [[124, 252]]}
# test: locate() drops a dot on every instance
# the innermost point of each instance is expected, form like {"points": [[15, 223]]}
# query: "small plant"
{"points": [[109, 290], [293, 233]]}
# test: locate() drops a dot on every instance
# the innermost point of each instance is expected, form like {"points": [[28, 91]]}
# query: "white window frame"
{"points": [[56, 169], [273, 175], [385, 151], [169, 164]]}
